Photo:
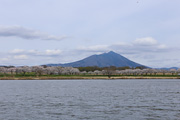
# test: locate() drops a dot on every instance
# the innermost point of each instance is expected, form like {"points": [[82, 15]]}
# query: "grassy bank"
{"points": [[63, 77]]}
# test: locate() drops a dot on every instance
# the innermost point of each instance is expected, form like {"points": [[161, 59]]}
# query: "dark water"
{"points": [[90, 100]]}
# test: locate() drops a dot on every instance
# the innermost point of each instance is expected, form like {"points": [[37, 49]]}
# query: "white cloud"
{"points": [[147, 41], [20, 57], [15, 51], [25, 33], [32, 51], [139, 46], [48, 52], [162, 46], [53, 52], [96, 48], [4, 59]]}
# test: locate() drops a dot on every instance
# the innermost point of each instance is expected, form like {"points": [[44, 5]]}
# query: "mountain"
{"points": [[103, 60]]}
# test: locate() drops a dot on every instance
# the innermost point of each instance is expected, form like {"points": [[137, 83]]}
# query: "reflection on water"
{"points": [[90, 100]]}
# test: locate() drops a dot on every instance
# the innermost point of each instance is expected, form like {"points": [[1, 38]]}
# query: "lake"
{"points": [[90, 99]]}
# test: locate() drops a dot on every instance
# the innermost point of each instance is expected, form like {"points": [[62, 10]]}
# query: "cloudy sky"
{"points": [[35, 32]]}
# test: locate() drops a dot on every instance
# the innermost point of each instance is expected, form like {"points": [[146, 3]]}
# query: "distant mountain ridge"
{"points": [[103, 60], [176, 68]]}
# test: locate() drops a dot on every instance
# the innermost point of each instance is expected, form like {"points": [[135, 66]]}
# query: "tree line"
{"points": [[94, 70]]}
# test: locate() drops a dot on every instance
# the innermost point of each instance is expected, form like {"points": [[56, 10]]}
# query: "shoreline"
{"points": [[84, 78]]}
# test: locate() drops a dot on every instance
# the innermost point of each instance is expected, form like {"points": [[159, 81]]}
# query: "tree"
{"points": [[51, 70], [25, 69], [12, 70], [164, 71], [59, 70], [97, 72], [83, 72], [70, 71], [38, 70], [178, 71], [3, 70], [173, 71], [108, 71]]}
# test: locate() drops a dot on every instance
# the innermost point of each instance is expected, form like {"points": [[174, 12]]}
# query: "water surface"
{"points": [[90, 100]]}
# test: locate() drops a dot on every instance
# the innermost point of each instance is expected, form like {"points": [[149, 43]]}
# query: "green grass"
{"points": [[33, 75]]}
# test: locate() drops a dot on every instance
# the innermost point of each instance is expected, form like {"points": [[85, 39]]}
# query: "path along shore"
{"points": [[85, 78]]}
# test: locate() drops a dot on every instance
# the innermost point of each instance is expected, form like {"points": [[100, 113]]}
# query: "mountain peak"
{"points": [[111, 52]]}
